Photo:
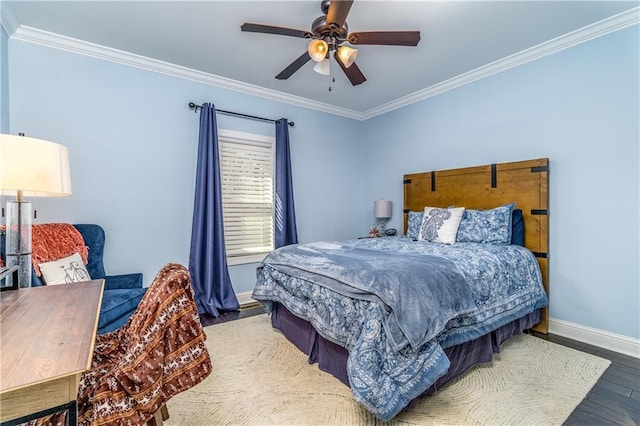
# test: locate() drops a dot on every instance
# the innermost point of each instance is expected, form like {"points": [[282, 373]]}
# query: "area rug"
{"points": [[259, 378]]}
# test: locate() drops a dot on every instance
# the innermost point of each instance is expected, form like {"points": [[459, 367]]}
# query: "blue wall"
{"points": [[132, 143], [579, 108], [4, 81]]}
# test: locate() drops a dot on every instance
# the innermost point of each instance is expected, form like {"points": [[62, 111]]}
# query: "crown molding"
{"points": [[590, 32], [69, 44]]}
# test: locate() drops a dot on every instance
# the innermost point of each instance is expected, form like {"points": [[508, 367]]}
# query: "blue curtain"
{"points": [[286, 232], [208, 257]]}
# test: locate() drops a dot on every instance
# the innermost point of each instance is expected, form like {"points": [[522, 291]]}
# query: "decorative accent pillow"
{"points": [[414, 224], [486, 226], [67, 270], [440, 225]]}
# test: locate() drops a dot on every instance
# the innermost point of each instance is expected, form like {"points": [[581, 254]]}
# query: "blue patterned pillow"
{"points": [[413, 227], [486, 226]]}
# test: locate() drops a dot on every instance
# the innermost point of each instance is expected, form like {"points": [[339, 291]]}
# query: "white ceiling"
{"points": [[458, 38]]}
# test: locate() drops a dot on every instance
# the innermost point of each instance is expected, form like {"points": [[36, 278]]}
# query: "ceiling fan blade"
{"points": [[269, 29], [338, 11], [294, 66], [353, 73], [389, 38]]}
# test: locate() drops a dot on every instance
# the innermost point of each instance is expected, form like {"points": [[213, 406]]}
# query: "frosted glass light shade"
{"points": [[318, 49], [323, 67], [382, 209], [347, 55], [35, 167]]}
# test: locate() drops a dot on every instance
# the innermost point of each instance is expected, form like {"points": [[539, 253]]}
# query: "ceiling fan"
{"points": [[328, 34]]}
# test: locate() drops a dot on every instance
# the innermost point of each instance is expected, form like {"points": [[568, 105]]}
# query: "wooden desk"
{"points": [[46, 342]]}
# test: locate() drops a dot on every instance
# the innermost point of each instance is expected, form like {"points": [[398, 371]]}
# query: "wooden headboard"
{"points": [[484, 187]]}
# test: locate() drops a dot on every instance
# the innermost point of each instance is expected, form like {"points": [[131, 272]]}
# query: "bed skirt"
{"points": [[332, 358]]}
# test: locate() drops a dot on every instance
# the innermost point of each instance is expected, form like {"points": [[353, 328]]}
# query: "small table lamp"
{"points": [[382, 211], [29, 167]]}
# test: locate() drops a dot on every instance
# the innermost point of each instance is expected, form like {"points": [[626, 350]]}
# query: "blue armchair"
{"points": [[122, 293]]}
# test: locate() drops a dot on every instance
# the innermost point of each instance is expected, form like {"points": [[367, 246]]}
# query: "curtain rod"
{"points": [[195, 108]]}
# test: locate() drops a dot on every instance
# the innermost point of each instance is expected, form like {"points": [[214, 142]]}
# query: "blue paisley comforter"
{"points": [[395, 340]]}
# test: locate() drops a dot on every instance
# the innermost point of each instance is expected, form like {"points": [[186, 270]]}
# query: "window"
{"points": [[247, 180]]}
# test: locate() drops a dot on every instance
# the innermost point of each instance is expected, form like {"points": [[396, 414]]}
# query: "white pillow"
{"points": [[68, 270], [440, 225]]}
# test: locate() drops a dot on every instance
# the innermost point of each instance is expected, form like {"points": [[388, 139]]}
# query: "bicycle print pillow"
{"points": [[63, 271]]}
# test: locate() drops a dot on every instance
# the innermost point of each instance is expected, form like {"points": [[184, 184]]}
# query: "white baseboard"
{"points": [[614, 342], [245, 298]]}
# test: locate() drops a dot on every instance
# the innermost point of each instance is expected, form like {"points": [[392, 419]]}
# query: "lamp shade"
{"points": [[347, 55], [323, 67], [33, 167], [318, 49], [382, 209]]}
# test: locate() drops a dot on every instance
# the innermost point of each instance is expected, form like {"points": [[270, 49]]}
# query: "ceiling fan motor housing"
{"points": [[321, 29]]}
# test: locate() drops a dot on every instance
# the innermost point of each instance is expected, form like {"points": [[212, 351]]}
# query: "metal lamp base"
{"points": [[18, 240]]}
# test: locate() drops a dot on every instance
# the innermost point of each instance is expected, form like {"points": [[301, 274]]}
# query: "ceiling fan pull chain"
{"points": [[333, 79]]}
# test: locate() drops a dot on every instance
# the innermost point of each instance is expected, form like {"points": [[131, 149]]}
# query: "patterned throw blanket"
{"points": [[158, 353]]}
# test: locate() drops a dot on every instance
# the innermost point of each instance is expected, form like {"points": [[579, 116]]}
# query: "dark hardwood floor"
{"points": [[244, 312], [614, 400]]}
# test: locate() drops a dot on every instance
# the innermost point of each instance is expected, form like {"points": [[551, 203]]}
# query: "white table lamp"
{"points": [[32, 168], [382, 211]]}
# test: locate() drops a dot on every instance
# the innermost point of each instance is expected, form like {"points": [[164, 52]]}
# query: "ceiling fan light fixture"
{"points": [[323, 67], [318, 49], [347, 55], [327, 34]]}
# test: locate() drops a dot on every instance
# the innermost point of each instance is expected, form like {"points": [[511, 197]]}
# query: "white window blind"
{"points": [[246, 172]]}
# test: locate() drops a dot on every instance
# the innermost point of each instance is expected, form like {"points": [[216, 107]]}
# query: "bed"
{"points": [[395, 318]]}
